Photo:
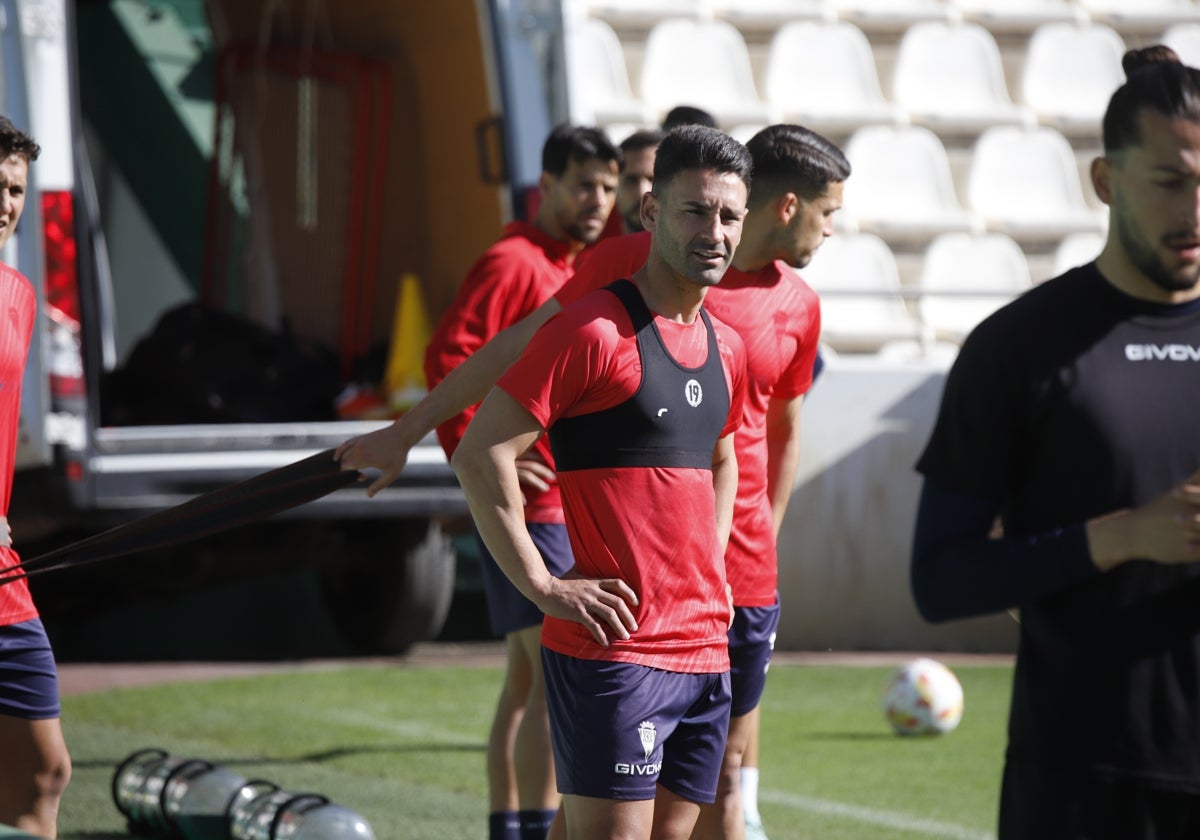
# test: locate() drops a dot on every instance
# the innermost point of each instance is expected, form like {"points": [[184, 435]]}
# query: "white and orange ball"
{"points": [[923, 697]]}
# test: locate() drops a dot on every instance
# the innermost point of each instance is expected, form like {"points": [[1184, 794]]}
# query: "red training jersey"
{"points": [[19, 304], [512, 278], [653, 527], [778, 317]]}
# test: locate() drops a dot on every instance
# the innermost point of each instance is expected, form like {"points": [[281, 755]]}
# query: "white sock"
{"points": [[748, 778]]}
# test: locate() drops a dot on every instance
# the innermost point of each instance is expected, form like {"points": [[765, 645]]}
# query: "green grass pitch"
{"points": [[405, 748]]}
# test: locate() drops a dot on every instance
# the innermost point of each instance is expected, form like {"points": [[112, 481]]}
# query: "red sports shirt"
{"points": [[19, 304], [778, 317], [512, 278], [654, 528]]}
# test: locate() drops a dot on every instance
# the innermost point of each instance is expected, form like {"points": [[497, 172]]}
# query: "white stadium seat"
{"points": [[1025, 182], [823, 75], [1140, 15], [1069, 74], [893, 15], [1021, 16], [964, 278], [1076, 249], [950, 77], [597, 79], [700, 62], [1184, 38], [902, 185], [862, 307]]}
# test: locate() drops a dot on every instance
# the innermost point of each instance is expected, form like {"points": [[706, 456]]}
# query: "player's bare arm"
{"points": [[5, 532], [486, 465], [783, 454], [1166, 530], [387, 449], [725, 479]]}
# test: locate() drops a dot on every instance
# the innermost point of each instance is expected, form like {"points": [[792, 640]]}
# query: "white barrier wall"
{"points": [[844, 545]]}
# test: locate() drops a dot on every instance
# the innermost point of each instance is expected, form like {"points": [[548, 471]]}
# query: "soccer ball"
{"points": [[923, 697]]}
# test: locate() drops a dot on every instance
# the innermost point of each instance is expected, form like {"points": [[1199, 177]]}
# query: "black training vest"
{"points": [[674, 419]]}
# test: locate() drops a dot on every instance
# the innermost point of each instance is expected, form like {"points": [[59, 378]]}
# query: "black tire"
{"points": [[391, 584]]}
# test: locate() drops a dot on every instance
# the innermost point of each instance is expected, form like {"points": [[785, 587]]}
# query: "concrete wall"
{"points": [[844, 546]]}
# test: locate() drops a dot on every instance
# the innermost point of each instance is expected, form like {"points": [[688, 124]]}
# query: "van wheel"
{"points": [[390, 585]]}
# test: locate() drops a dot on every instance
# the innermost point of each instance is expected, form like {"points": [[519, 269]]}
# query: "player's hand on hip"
{"points": [[384, 450], [532, 472], [604, 606]]}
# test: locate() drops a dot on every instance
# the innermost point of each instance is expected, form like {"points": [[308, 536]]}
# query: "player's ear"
{"points": [[787, 206], [1102, 174], [545, 181], [650, 209]]}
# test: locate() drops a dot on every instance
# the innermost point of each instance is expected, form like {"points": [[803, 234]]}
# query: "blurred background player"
{"points": [[687, 115], [513, 277], [35, 766], [1071, 414], [637, 176]]}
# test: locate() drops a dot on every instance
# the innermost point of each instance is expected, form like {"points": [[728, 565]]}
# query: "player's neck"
{"points": [[668, 295]]}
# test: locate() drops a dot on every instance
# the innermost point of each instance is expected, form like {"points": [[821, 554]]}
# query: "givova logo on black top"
{"points": [[1162, 353]]}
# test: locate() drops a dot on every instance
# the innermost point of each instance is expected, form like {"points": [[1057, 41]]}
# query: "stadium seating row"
{"points": [[1022, 181], [997, 15], [963, 278], [823, 74]]}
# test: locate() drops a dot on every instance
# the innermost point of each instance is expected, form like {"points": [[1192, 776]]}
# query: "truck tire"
{"points": [[391, 585]]}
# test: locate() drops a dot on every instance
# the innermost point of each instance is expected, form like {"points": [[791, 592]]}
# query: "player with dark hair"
{"points": [[798, 181], [1071, 416], [35, 766], [512, 278], [687, 115], [639, 390], [637, 176]]}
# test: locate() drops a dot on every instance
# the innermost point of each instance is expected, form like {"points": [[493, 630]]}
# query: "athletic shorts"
{"points": [[751, 641], [1044, 803], [509, 610], [28, 675], [619, 729]]}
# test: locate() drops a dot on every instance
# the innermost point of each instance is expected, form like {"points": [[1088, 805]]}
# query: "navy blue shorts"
{"points": [[509, 610], [751, 642], [619, 729], [28, 675]]}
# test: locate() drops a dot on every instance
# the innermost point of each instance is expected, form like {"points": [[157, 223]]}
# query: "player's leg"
{"points": [[593, 818], [509, 613], [35, 766], [533, 761], [751, 642], [748, 778], [34, 774], [503, 796], [533, 757]]}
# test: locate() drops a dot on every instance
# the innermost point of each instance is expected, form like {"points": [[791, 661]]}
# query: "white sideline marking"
{"points": [[403, 728], [874, 816]]}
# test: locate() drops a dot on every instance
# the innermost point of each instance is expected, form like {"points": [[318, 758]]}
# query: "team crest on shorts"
{"points": [[647, 733]]}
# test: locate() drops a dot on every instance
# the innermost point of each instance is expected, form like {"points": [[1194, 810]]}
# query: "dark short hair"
{"points": [[791, 158], [577, 143], [13, 141], [700, 147], [687, 115], [646, 138], [1157, 80]]}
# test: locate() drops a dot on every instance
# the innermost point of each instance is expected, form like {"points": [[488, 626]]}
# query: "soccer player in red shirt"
{"points": [[512, 278], [35, 766], [798, 179], [794, 200], [640, 391]]}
